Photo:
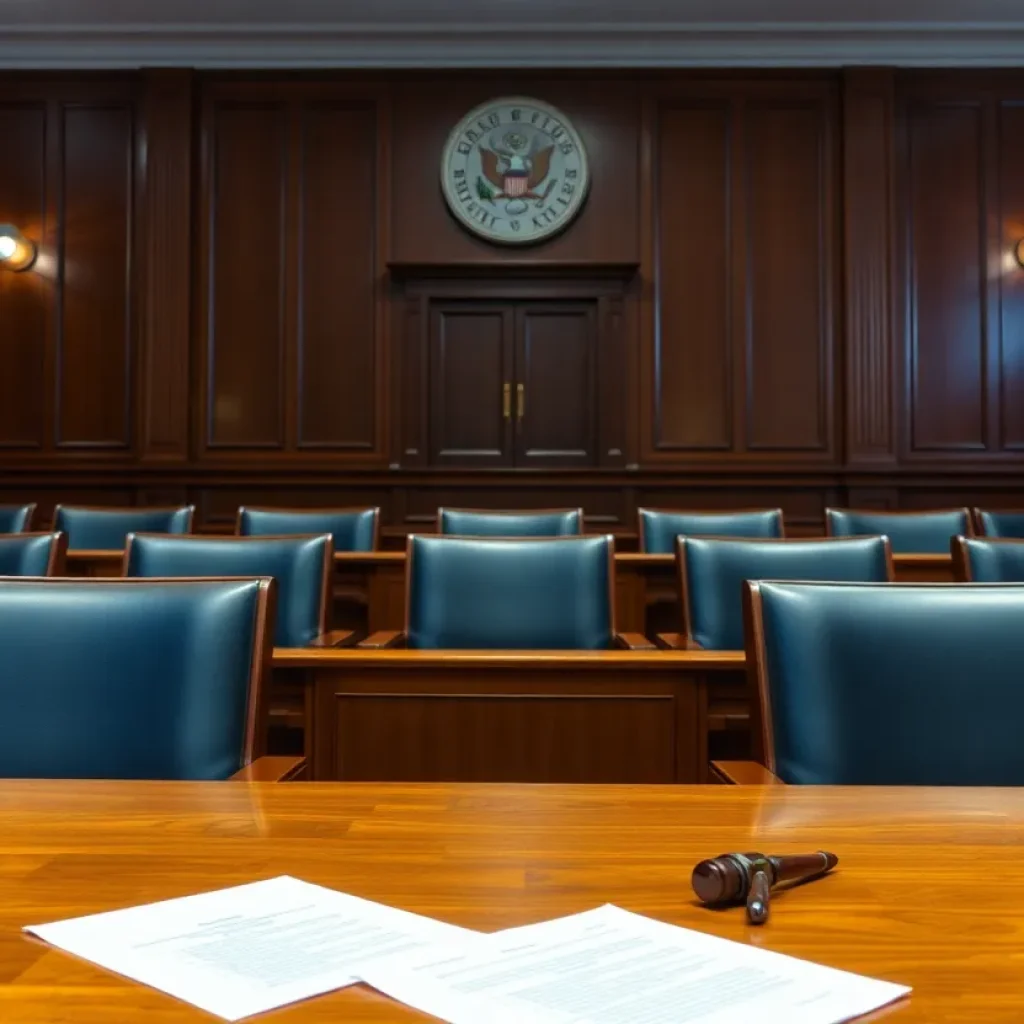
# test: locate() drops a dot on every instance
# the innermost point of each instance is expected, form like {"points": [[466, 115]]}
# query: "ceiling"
{"points": [[509, 33]]}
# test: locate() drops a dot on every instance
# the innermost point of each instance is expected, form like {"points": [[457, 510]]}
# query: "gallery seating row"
{"points": [[512, 670], [919, 532]]}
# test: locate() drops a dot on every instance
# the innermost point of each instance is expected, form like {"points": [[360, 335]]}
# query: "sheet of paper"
{"points": [[608, 966], [240, 951]]}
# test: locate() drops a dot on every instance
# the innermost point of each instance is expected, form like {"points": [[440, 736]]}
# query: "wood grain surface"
{"points": [[926, 893]]}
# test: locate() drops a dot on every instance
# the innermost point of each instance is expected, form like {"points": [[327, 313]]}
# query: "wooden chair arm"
{"points": [[272, 769], [743, 773], [384, 638], [332, 638], [633, 642], [677, 642]]}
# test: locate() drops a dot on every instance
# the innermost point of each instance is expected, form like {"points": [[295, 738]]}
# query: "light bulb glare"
{"points": [[8, 247]]}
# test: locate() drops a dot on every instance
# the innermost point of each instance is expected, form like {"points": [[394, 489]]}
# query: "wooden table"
{"points": [[506, 716], [927, 893]]}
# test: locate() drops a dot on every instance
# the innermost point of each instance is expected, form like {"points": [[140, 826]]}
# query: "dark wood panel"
{"points": [[24, 298], [946, 272], [868, 126], [471, 385], [338, 373], [556, 351], [96, 326], [787, 165], [244, 359], [166, 286], [504, 737], [1011, 194], [691, 406]]}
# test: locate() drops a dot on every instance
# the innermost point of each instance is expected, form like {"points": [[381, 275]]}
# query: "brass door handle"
{"points": [[506, 400], [520, 401]]}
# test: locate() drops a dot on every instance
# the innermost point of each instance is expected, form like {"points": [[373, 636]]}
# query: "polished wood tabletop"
{"points": [[928, 892]]}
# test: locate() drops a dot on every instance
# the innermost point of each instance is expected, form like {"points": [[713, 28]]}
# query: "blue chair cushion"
{"points": [[900, 685], [15, 518], [114, 680], [518, 594], [714, 571], [301, 566], [918, 533], [27, 555], [994, 561], [1009, 525], [104, 529], [561, 523], [351, 529], [659, 529]]}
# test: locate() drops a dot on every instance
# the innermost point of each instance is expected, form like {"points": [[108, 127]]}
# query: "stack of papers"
{"points": [[252, 948]]}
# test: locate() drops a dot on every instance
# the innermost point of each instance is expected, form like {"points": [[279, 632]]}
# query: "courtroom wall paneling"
{"points": [[961, 216], [70, 325], [291, 343], [826, 307], [738, 357]]}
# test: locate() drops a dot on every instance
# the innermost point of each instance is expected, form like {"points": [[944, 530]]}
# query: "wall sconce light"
{"points": [[16, 251]]}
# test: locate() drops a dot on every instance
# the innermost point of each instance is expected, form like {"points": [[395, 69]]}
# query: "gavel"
{"points": [[735, 878]]}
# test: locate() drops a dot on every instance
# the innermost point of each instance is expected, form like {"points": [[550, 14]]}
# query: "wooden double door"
{"points": [[513, 383]]}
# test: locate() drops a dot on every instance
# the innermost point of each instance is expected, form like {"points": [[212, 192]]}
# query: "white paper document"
{"points": [[240, 951], [608, 966]]}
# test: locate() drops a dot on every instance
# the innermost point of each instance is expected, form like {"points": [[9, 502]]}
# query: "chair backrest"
{"points": [[911, 533], [132, 679], [351, 529], [905, 684], [550, 522], [301, 565], [659, 527], [32, 554], [1006, 524], [106, 529], [485, 593], [712, 572], [984, 560], [17, 518]]}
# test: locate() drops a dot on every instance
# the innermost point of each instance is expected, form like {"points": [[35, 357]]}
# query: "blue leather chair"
{"points": [[301, 566], [106, 529], [351, 529], [712, 573], [911, 533], [132, 679], [902, 685], [658, 528], [555, 522], [491, 594], [32, 554], [984, 560], [1005, 525], [16, 518]]}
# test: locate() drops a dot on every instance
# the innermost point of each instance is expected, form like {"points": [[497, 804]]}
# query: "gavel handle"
{"points": [[802, 866], [759, 898]]}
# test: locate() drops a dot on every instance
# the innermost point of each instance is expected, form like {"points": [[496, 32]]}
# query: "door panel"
{"points": [[555, 417], [470, 366]]}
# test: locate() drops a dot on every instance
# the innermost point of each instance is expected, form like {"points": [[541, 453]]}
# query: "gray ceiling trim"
{"points": [[510, 46]]}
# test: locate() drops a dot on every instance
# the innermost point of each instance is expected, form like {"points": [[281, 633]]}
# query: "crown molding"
{"points": [[550, 45]]}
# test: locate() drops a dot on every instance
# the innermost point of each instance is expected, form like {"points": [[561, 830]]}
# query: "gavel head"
{"points": [[726, 879]]}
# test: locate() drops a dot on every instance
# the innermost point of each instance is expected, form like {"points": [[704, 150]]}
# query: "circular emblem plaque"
{"points": [[514, 171]]}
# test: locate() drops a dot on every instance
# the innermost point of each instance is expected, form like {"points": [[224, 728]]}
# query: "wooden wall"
{"points": [[802, 293]]}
